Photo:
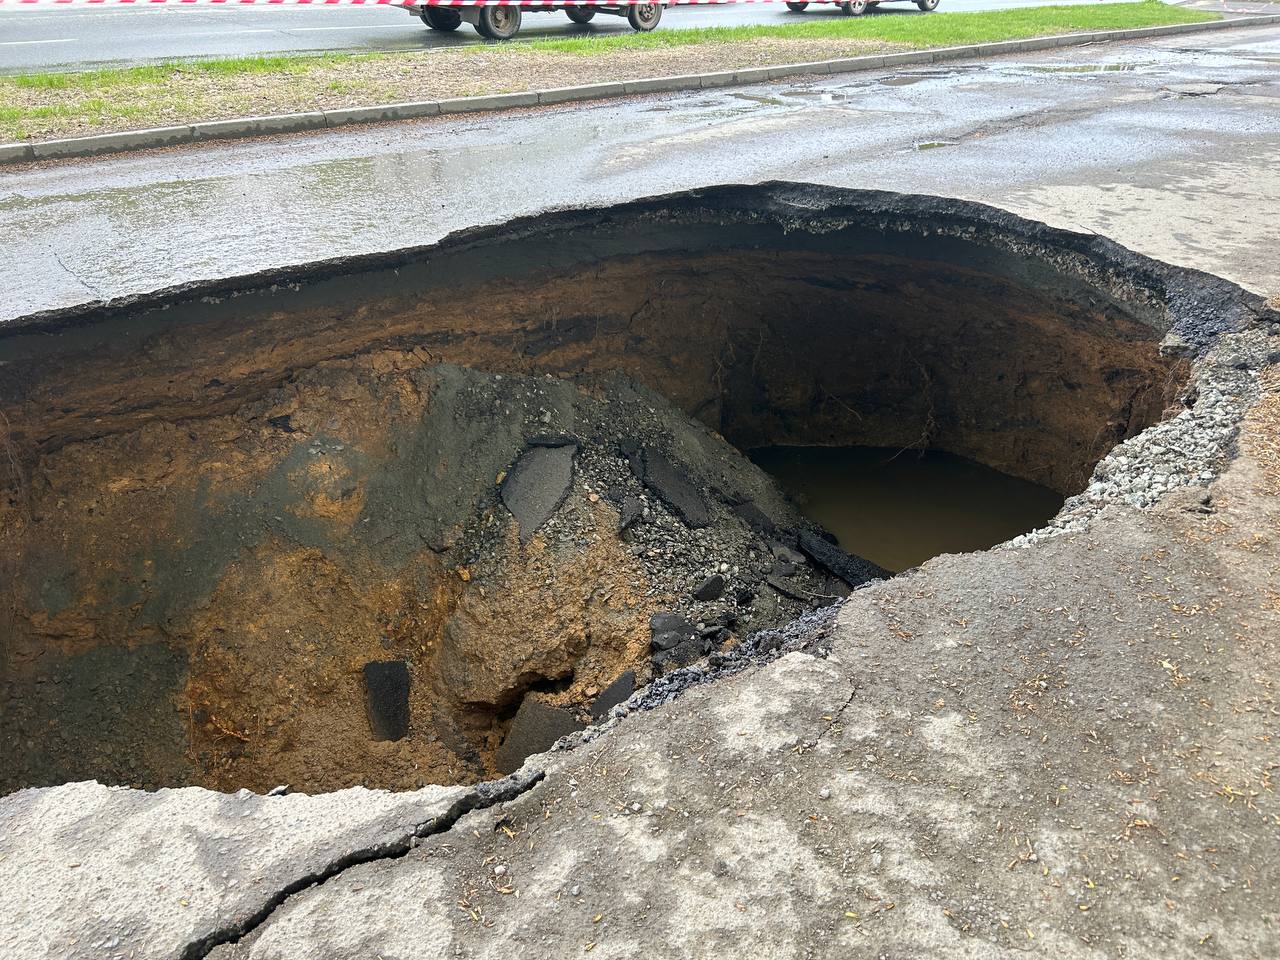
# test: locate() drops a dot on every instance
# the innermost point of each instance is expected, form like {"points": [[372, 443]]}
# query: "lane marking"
{"points": [[22, 43], [372, 26]]}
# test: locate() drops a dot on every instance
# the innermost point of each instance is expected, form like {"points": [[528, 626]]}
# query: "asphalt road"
{"points": [[1170, 147], [75, 38]]}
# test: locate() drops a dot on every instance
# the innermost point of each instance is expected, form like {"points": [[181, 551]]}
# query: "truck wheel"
{"points": [[441, 18], [855, 8], [644, 16], [927, 5], [796, 7], [498, 23], [582, 14]]}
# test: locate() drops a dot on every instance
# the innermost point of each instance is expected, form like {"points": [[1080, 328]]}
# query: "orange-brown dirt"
{"points": [[221, 518], [275, 692], [275, 632]]}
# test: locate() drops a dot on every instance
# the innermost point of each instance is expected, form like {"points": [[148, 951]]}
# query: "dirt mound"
{"points": [[232, 578]]}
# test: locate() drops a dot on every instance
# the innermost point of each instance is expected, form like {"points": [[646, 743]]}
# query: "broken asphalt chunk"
{"points": [[615, 693], [672, 485], [711, 588], [853, 570], [536, 728], [386, 691], [537, 484], [668, 630]]}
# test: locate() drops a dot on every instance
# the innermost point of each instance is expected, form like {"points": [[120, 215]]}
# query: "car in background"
{"points": [[855, 8], [500, 19]]}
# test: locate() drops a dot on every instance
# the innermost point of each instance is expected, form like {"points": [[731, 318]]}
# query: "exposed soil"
{"points": [[228, 503], [243, 569]]}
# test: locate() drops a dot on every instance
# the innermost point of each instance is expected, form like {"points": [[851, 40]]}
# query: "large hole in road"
{"points": [[404, 518]]}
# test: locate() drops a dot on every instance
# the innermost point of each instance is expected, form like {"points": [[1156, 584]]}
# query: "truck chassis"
{"points": [[501, 21]]}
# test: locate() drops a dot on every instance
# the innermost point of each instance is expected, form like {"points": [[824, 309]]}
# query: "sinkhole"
{"points": [[407, 518]]}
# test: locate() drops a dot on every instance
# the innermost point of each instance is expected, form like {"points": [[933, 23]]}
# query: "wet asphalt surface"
{"points": [[47, 38], [1172, 148]]}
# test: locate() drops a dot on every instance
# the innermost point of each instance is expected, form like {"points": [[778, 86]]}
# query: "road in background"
{"points": [[78, 38], [1170, 147]]}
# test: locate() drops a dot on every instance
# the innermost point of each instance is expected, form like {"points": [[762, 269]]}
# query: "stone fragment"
{"points": [[630, 513], [672, 486], [537, 484], [536, 728], [711, 588], [682, 654], [386, 694], [853, 570], [669, 629], [785, 554], [614, 694]]}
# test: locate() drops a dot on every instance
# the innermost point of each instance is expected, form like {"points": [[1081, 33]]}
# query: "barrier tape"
{"points": [[370, 3], [375, 3]]}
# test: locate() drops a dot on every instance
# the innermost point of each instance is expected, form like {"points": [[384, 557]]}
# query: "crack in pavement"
{"points": [[1032, 119], [835, 717], [73, 275], [483, 795]]}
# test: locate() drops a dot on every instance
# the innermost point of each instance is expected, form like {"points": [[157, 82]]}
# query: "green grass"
{"points": [[935, 30], [99, 80]]}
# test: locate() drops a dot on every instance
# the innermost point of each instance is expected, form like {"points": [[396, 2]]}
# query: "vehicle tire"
{"points": [[582, 14], [498, 23], [441, 18], [927, 5], [796, 7], [644, 16], [854, 8]]}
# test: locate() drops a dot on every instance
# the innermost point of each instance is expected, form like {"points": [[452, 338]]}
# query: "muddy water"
{"points": [[899, 508]]}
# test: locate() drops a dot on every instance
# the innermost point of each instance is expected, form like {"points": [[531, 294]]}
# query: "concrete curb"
{"points": [[389, 112]]}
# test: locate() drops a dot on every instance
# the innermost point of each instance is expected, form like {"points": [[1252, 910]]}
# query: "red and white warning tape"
{"points": [[360, 3]]}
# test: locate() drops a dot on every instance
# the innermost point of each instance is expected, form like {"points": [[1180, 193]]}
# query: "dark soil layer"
{"points": [[226, 501]]}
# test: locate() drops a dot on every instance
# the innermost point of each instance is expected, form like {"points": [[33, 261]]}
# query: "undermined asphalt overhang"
{"points": [[769, 312]]}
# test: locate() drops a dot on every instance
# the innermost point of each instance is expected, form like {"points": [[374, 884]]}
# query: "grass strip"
{"points": [[917, 32]]}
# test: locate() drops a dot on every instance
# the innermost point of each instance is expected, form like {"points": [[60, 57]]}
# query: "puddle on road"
{"points": [[757, 98], [1091, 68], [902, 81], [899, 508]]}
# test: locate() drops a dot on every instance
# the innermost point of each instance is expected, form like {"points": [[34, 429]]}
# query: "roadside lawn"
{"points": [[43, 106]]}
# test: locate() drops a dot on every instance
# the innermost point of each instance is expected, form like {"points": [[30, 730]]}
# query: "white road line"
{"points": [[21, 43], [230, 32], [372, 26]]}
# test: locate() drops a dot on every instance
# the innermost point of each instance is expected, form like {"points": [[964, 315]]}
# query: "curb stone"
{"points": [[246, 127]]}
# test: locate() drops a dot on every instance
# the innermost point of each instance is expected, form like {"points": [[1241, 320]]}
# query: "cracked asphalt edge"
{"points": [[479, 797]]}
